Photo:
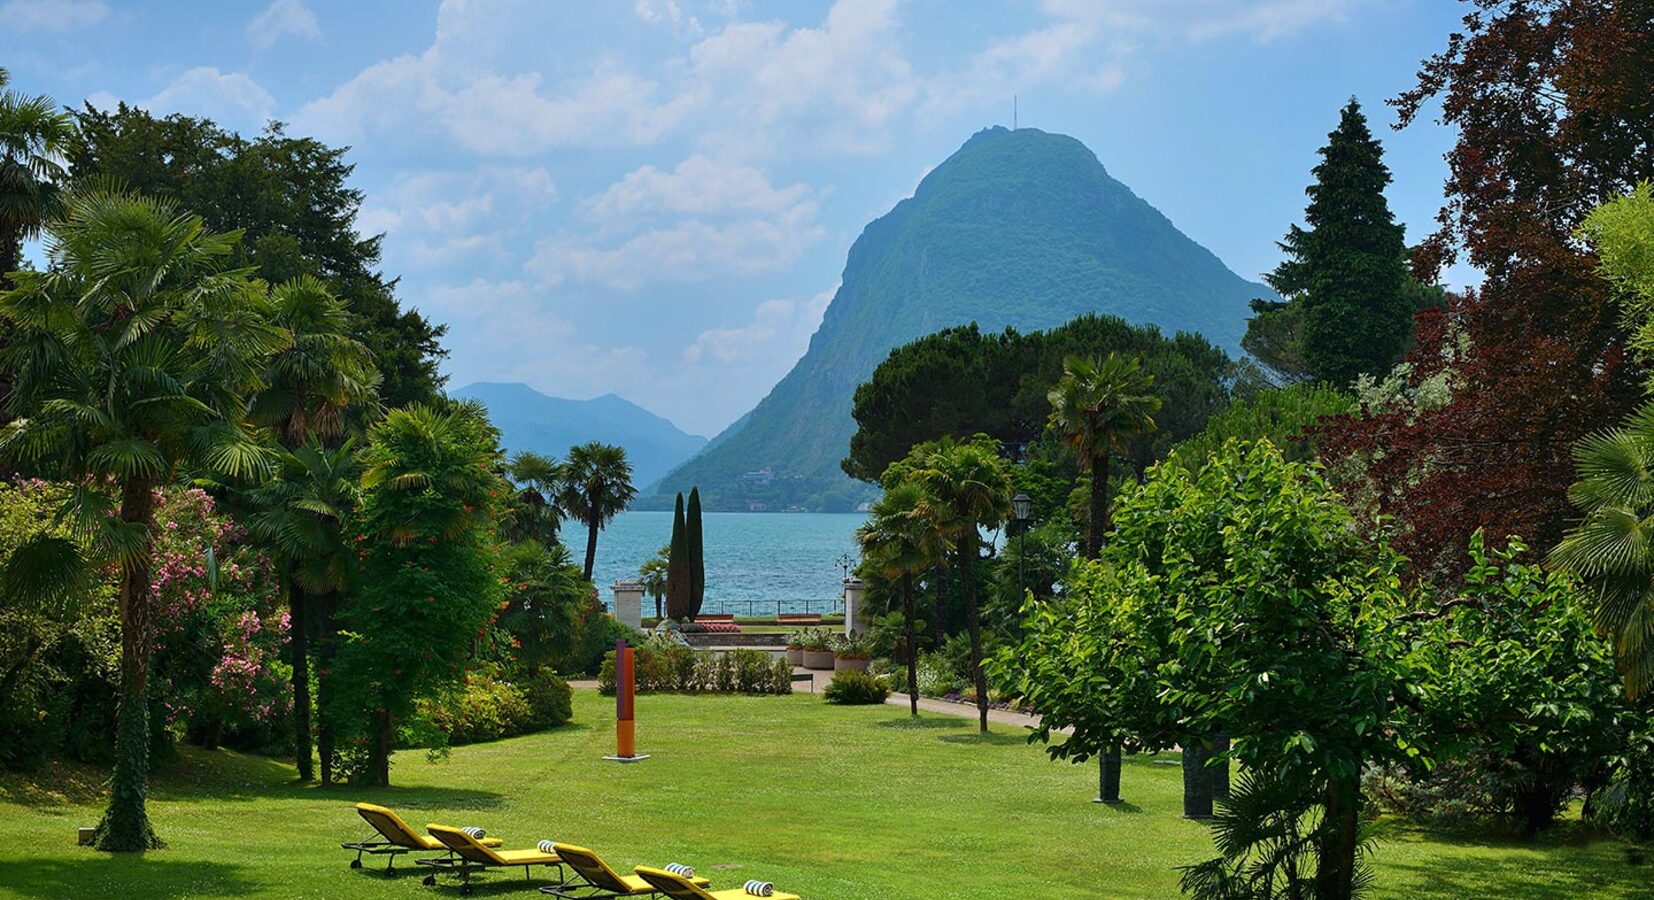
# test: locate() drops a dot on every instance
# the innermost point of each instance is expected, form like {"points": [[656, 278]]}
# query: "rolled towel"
{"points": [[475, 832], [681, 869], [760, 888], [548, 846]]}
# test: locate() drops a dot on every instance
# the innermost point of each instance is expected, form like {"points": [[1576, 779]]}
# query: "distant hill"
{"points": [[1017, 228], [530, 420]]}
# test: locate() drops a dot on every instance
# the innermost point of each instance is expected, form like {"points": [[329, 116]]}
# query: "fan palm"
{"points": [[597, 485], [1612, 547], [325, 382], [133, 357], [652, 574], [302, 515], [1097, 406], [34, 136], [969, 488], [899, 541], [535, 514]]}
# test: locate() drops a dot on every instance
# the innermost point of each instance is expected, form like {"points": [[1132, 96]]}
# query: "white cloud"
{"points": [[780, 329], [229, 98], [699, 186], [1202, 19], [52, 15], [703, 218], [282, 18]]}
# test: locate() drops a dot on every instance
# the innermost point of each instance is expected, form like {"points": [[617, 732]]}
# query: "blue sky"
{"points": [[655, 198]]}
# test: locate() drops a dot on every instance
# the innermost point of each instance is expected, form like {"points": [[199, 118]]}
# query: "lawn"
{"points": [[833, 803]]}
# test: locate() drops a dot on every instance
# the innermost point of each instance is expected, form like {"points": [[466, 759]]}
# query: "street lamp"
{"points": [[1022, 507]]}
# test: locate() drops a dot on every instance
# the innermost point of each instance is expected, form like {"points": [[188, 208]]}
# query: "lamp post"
{"points": [[1022, 506]]}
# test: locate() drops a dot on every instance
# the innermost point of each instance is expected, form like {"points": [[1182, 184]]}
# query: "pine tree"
{"points": [[678, 581], [697, 555], [1348, 269]]}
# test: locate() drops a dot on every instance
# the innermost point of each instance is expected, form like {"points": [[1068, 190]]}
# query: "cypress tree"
{"points": [[678, 601], [697, 555], [1348, 269]]}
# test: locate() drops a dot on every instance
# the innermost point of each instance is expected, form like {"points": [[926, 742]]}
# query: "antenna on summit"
{"points": [[1013, 112]]}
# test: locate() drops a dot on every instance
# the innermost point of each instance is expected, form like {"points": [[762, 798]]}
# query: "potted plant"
{"points": [[795, 648], [852, 651], [818, 649]]}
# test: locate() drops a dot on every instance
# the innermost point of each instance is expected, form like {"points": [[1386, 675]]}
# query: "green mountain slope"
{"points": [[1017, 228]]}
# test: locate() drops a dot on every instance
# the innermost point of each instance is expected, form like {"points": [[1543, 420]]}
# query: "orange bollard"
{"points": [[625, 705]]}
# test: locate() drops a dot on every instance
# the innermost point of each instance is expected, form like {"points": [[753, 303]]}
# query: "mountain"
{"points": [[530, 420], [1017, 228]]}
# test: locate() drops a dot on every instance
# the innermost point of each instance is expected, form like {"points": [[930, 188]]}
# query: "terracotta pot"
{"points": [[821, 660], [795, 656], [841, 663]]}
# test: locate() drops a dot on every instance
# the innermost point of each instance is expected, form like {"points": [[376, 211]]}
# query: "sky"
{"points": [[655, 197]]}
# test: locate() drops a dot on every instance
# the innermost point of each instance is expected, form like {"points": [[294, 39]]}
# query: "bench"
{"points": [[715, 617], [806, 676], [799, 619]]}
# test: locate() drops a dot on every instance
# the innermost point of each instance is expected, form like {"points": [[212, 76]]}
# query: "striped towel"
{"points": [[475, 832], [680, 869], [548, 846], [760, 888]]}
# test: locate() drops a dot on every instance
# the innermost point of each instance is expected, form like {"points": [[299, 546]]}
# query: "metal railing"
{"points": [[755, 608]]}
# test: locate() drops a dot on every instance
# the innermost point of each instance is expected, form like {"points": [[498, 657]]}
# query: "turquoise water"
{"points": [[752, 559]]}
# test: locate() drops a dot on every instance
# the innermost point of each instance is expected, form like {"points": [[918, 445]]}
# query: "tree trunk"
{"points": [[912, 646], [382, 741], [298, 641], [591, 545], [973, 618], [1335, 857], [125, 826], [1098, 524], [1197, 781], [1108, 774], [939, 624], [324, 609], [1220, 769]]}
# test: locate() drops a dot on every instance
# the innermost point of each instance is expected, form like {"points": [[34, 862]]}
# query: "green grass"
{"points": [[833, 803]]}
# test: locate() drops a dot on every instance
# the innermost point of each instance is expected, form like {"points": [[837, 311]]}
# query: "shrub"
{"points": [[550, 701], [484, 709], [937, 675], [852, 646], [852, 688], [689, 671]]}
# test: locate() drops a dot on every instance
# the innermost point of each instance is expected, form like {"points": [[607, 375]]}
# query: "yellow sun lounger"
{"points": [[471, 855], [395, 837], [680, 888], [601, 881]]}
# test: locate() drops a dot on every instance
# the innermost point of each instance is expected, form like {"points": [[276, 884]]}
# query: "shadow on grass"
{"points": [[1538, 878], [927, 722], [991, 739], [486, 883], [225, 775], [90, 873]]}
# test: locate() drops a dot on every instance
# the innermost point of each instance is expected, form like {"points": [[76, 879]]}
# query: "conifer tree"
{"points": [[697, 555], [1347, 270], [677, 568]]}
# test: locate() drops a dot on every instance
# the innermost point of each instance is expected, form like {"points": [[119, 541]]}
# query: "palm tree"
{"points": [[133, 358], [653, 574], [34, 138], [537, 477], [324, 385], [303, 515], [969, 488], [1098, 406], [899, 541], [597, 485], [1612, 547]]}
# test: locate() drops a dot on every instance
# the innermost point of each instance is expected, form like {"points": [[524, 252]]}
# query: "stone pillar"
{"points": [[628, 608], [854, 588]]}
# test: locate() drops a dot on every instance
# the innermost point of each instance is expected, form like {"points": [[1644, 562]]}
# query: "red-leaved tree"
{"points": [[1554, 103]]}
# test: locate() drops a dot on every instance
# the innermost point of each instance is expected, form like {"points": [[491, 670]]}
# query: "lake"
{"points": [[753, 560]]}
